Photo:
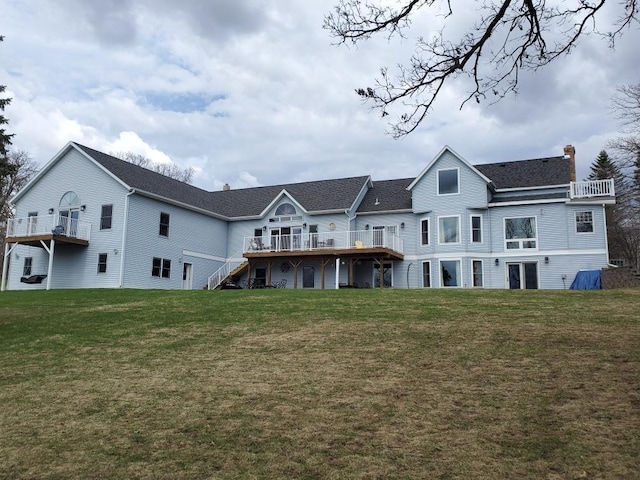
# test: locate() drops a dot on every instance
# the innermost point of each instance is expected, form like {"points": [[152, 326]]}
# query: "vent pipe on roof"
{"points": [[570, 153], [226, 187]]}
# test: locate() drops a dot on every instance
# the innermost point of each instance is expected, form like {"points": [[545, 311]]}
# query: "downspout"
{"points": [[124, 236], [606, 233], [408, 268]]}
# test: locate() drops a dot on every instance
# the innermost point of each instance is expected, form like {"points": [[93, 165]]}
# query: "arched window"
{"points": [[70, 199], [285, 209]]}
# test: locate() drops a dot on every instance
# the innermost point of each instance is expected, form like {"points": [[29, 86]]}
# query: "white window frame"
{"points": [[520, 241], [575, 222], [420, 240], [473, 261], [438, 181], [440, 242], [471, 230], [428, 262]]}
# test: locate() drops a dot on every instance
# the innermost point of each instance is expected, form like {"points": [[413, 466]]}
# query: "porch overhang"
{"points": [[45, 239], [362, 253]]}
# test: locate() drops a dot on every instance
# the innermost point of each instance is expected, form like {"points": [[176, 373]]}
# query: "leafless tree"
{"points": [[509, 36], [167, 169], [22, 169]]}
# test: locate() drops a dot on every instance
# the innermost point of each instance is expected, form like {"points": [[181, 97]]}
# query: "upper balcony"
{"points": [[365, 242], [592, 190], [44, 228]]}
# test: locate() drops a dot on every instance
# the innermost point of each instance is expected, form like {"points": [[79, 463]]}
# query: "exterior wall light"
{"points": [[497, 261], [51, 211]]}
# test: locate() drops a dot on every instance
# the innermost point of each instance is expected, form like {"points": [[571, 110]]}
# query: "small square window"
{"points": [[102, 263], [448, 182], [584, 222]]}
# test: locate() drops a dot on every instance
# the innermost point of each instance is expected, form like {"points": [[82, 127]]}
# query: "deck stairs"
{"points": [[229, 270]]}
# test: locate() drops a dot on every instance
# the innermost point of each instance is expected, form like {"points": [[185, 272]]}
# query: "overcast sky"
{"points": [[254, 92]]}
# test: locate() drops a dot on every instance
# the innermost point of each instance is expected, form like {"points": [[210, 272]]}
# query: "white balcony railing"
{"points": [[47, 225], [592, 188], [306, 242]]}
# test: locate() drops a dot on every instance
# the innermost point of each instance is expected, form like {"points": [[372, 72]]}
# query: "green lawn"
{"points": [[349, 384]]}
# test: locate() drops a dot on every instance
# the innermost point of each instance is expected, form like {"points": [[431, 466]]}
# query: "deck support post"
{"points": [[5, 265], [50, 250]]}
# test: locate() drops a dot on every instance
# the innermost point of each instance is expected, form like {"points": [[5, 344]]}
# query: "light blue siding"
{"points": [[188, 232]]}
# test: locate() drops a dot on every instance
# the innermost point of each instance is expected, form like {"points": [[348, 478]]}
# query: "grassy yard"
{"points": [[359, 384]]}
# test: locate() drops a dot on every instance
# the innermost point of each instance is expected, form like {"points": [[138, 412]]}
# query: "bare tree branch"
{"points": [[167, 169], [511, 35]]}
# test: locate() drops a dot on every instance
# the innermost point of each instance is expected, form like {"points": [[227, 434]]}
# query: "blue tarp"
{"points": [[587, 280]]}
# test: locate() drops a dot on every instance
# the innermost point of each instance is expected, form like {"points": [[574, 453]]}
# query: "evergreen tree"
{"points": [[603, 168], [5, 139]]}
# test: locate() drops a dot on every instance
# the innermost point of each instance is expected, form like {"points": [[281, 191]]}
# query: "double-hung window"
{"points": [[449, 230], [26, 267], [424, 231], [520, 233], [476, 229], [164, 224], [584, 222], [106, 214], [102, 263]]}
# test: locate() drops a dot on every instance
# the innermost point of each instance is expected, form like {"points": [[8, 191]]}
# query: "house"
{"points": [[91, 220]]}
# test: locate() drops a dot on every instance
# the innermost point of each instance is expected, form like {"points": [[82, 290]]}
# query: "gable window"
{"points": [[448, 181], [520, 233], [424, 232], [26, 267], [164, 224], [102, 263], [426, 274], [161, 267], [450, 273], [105, 217], [476, 267], [449, 229], [476, 229], [584, 222], [285, 209]]}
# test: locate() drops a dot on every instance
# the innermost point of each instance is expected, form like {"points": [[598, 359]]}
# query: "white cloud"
{"points": [[253, 93]]}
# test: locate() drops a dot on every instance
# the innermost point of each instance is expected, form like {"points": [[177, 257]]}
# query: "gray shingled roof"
{"points": [[391, 195], [326, 195], [528, 173], [321, 195]]}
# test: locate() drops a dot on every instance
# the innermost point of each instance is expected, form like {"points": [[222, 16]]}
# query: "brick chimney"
{"points": [[570, 153], [226, 187]]}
